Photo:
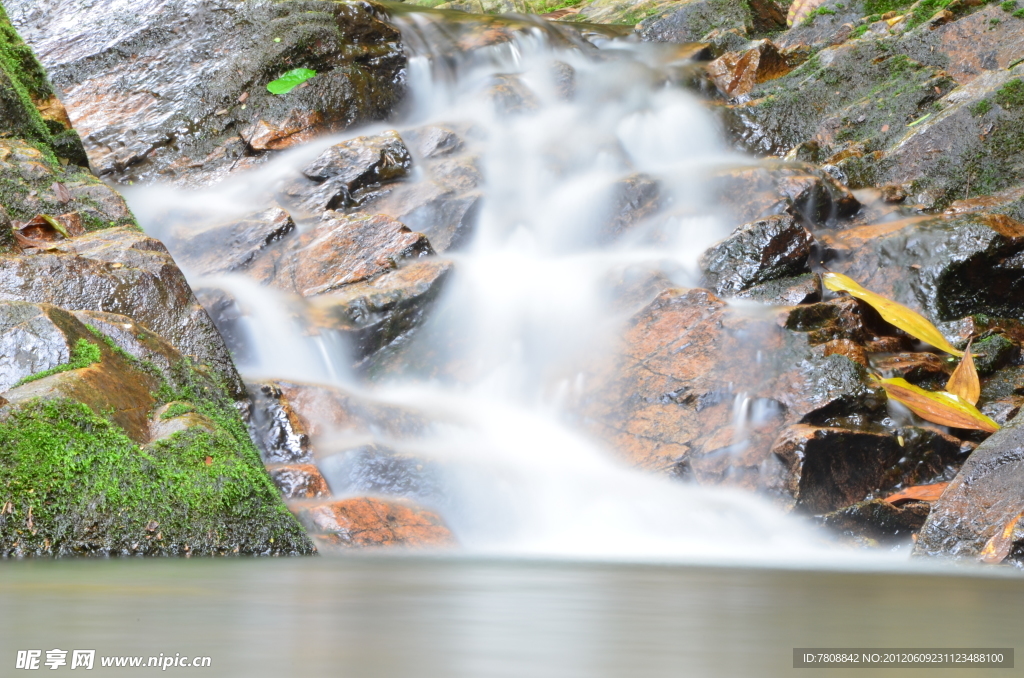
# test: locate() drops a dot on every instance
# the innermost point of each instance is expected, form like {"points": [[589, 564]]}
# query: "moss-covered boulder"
{"points": [[93, 461]]}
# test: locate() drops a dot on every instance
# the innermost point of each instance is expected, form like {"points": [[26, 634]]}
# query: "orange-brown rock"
{"points": [[736, 73], [340, 250], [368, 522]]}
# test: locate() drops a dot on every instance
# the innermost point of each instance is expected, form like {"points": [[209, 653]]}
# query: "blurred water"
{"points": [[364, 617], [528, 306]]}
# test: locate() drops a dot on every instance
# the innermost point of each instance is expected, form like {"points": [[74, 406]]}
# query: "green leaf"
{"points": [[290, 80], [911, 322], [939, 407]]}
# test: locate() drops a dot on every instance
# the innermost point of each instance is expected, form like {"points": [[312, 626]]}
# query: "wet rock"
{"points": [[928, 456], [433, 141], [511, 96], [689, 21], [376, 313], [812, 196], [227, 317], [30, 182], [985, 496], [444, 214], [120, 270], [299, 481], [366, 522], [224, 248], [924, 369], [340, 250], [842, 318], [992, 352], [1009, 202], [878, 520], [30, 341], [178, 90], [680, 380], [377, 470], [755, 253], [635, 198], [945, 267], [1002, 394], [164, 424], [736, 73], [290, 419], [801, 289], [344, 170], [828, 468]]}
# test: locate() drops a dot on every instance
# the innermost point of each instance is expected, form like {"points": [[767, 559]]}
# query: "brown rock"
{"points": [[223, 248], [299, 127], [758, 252], [367, 522], [879, 520], [340, 250], [299, 481], [736, 73]]}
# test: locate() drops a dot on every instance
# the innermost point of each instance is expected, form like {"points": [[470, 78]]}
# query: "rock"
{"points": [[344, 170], [878, 520], [682, 377], [340, 250], [828, 468], [843, 319], [227, 317], [1009, 202], [28, 187], [376, 313], [736, 73], [290, 419], [224, 248], [945, 267], [299, 481], [147, 111], [366, 522], [635, 198], [511, 96], [801, 289], [985, 496], [30, 341], [433, 141], [151, 463], [690, 21], [445, 215], [812, 196], [376, 470], [924, 369], [120, 270], [755, 253]]}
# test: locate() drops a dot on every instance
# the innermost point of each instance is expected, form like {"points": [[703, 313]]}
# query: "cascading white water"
{"points": [[529, 298]]}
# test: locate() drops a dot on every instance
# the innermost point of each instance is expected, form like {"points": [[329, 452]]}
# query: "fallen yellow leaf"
{"points": [[939, 407], [911, 322], [964, 381], [998, 547]]}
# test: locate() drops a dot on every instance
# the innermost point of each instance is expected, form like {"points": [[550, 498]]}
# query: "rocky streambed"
{"points": [[709, 354]]}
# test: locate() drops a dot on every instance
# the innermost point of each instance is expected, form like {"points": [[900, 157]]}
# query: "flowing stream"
{"points": [[530, 301]]}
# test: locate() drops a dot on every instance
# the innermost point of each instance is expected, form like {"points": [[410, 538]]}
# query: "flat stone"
{"points": [[223, 248], [365, 522]]}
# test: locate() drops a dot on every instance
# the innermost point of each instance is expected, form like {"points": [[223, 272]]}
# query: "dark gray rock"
{"points": [[377, 470], [878, 520], [224, 248], [757, 252]]}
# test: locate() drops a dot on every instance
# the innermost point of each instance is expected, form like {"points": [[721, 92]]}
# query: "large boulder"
{"points": [[175, 90], [116, 444]]}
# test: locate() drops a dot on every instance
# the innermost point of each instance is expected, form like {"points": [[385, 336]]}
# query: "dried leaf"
{"points": [[964, 381], [61, 191], [939, 407], [998, 547], [927, 493], [911, 322]]}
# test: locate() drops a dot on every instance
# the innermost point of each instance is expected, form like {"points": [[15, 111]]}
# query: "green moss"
{"points": [[74, 483], [1008, 6], [981, 108], [860, 30], [876, 8], [177, 409], [925, 10], [1011, 95], [83, 354], [820, 11], [1019, 14]]}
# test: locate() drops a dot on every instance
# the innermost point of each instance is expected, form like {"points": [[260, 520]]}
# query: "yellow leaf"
{"points": [[964, 382], [911, 322], [939, 407], [998, 547]]}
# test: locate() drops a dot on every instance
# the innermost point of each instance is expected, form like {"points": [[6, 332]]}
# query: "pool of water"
{"points": [[423, 616]]}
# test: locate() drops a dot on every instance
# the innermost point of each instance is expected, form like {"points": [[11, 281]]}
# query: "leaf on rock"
{"points": [[939, 407], [61, 191], [290, 80], [998, 547], [911, 322], [928, 493], [964, 381]]}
